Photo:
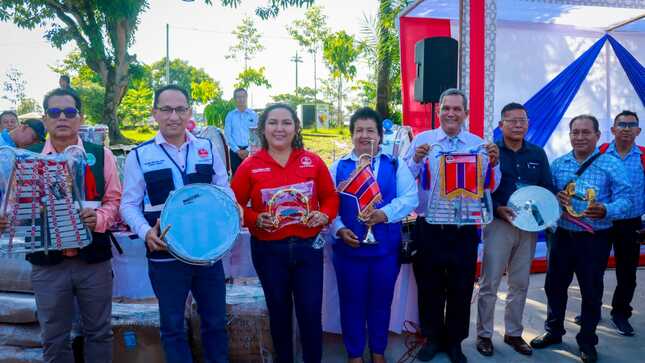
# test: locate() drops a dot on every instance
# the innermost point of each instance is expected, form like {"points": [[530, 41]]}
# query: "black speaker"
{"points": [[436, 60]]}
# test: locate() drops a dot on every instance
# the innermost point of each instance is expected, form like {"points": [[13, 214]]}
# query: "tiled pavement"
{"points": [[612, 348]]}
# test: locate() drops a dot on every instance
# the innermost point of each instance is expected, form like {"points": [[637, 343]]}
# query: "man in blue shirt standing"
{"points": [[624, 232], [237, 124], [594, 191]]}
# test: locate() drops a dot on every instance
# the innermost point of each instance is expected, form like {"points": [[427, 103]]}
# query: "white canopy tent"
{"points": [[535, 40]]}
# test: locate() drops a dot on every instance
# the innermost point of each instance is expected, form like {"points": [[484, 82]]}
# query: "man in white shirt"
{"points": [[444, 265], [152, 170], [237, 126]]}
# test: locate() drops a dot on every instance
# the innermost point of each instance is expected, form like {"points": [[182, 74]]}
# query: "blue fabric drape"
{"points": [[546, 108], [635, 71]]}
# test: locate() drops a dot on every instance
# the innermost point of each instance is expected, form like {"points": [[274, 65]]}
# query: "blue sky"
{"points": [[200, 34]]}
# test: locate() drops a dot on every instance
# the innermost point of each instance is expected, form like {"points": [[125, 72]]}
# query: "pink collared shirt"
{"points": [[108, 212]]}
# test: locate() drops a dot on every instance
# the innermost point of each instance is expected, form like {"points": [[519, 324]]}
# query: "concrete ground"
{"points": [[611, 348]]}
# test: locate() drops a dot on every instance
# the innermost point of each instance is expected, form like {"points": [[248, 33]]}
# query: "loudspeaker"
{"points": [[436, 60]]}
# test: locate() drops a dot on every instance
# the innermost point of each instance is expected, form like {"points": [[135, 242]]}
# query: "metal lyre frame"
{"points": [[485, 200], [369, 237]]}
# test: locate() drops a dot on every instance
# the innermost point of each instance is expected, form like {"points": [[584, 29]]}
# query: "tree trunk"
{"points": [[383, 86], [383, 59], [340, 102], [114, 92]]}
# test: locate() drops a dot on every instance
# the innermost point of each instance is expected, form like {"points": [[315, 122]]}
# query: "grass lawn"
{"points": [[329, 144], [137, 136]]}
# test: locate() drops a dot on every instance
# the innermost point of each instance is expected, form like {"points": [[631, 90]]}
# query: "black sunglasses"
{"points": [[69, 112]]}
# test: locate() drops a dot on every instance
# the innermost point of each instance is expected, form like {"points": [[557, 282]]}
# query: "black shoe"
{"points": [[578, 320], [623, 327], [545, 340], [588, 354], [428, 351], [456, 355], [484, 346]]}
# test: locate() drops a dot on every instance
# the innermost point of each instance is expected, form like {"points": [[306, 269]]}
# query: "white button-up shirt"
{"points": [[463, 142], [134, 184], [406, 192]]}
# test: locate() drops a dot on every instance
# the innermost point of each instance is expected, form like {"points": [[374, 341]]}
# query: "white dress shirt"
{"points": [[463, 142], [406, 192], [134, 184]]}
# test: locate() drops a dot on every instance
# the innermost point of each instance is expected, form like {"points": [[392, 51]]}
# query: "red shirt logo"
{"points": [[306, 162], [203, 153]]}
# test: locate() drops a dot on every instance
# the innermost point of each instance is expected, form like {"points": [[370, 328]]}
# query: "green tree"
{"points": [[388, 56], [103, 31], [340, 52], [310, 33], [186, 76], [28, 105], [215, 112], [14, 86], [248, 42], [205, 91], [252, 76], [303, 95], [135, 107]]}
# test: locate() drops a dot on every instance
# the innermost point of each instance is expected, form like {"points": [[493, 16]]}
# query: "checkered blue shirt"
{"points": [[634, 169], [607, 176]]}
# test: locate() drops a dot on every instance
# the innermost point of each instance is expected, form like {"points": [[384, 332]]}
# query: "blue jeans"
{"points": [[171, 282], [291, 273]]}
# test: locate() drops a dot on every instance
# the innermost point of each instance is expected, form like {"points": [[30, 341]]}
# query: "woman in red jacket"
{"points": [[292, 197]]}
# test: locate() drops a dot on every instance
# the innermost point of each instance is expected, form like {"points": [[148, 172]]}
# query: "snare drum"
{"points": [[204, 223]]}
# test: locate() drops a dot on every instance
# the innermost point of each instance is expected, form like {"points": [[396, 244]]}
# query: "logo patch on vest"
{"points": [[91, 159], [306, 162], [203, 153]]}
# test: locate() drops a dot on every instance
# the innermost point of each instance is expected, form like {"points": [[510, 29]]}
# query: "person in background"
{"points": [[367, 273], [8, 120], [65, 83], [174, 158], [507, 248], [237, 125], [582, 244], [285, 256], [30, 132]]}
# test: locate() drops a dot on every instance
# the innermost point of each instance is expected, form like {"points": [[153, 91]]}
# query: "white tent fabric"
{"points": [[536, 40]]}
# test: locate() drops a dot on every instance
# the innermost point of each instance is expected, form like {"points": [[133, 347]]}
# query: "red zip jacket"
{"points": [[260, 171]]}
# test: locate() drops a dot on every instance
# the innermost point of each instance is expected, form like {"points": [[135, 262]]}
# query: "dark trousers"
{"points": [[444, 268], [236, 160], [365, 290], [586, 255], [171, 282], [291, 273], [627, 253]]}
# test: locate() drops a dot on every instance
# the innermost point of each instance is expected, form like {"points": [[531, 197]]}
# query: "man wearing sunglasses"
{"points": [[30, 132], [624, 233], [60, 278]]}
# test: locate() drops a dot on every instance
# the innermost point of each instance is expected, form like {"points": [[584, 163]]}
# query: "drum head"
{"points": [[535, 208], [204, 222]]}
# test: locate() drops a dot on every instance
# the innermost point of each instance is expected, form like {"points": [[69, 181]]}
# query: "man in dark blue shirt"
{"points": [[507, 248]]}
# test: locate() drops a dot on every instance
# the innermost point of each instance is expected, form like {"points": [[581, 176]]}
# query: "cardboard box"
{"points": [[136, 333], [249, 335]]}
